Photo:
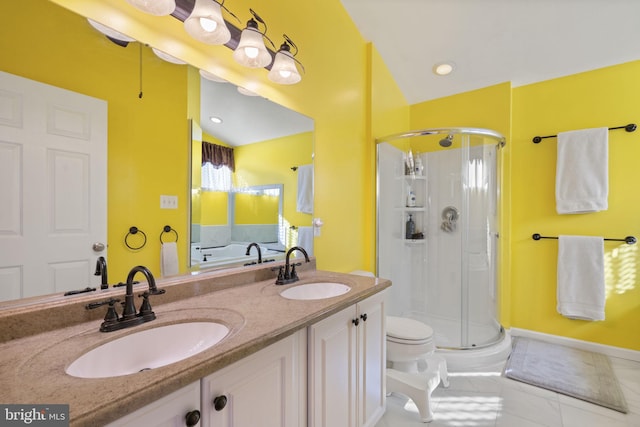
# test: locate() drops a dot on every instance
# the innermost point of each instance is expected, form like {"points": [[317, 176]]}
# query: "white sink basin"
{"points": [[319, 290], [148, 349]]}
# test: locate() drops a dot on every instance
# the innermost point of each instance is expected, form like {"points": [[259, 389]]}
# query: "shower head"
{"points": [[446, 142]]}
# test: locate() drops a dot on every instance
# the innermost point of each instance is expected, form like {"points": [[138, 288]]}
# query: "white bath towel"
{"points": [[169, 259], [305, 189], [582, 182], [305, 239], [581, 291]]}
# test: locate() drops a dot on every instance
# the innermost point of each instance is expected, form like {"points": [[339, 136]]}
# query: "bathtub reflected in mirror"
{"points": [[225, 223]]}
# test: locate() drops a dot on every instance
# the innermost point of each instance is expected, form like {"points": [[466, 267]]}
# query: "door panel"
{"points": [[53, 170]]}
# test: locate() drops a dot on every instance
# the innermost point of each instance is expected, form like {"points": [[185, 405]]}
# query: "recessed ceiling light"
{"points": [[443, 68], [215, 119]]}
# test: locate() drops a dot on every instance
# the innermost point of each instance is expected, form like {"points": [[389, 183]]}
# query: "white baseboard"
{"points": [[610, 351]]}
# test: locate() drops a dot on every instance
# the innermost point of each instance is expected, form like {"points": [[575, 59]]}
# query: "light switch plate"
{"points": [[168, 202]]}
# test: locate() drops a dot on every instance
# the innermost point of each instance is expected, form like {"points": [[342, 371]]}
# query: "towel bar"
{"points": [[630, 240], [629, 128]]}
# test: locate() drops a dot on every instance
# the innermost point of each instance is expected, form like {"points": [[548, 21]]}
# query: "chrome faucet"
{"points": [[257, 246], [286, 275], [101, 270], [129, 315]]}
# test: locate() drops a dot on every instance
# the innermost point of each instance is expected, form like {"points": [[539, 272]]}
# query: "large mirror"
{"points": [[263, 164], [263, 201]]}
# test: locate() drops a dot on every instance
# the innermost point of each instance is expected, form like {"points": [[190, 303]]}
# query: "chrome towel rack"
{"points": [[630, 240]]}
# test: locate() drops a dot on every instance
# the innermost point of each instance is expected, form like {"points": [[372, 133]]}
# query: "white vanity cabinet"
{"points": [[266, 389], [347, 366], [180, 408], [330, 374]]}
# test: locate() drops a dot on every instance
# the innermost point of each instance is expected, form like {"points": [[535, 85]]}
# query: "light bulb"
{"points": [[251, 52], [208, 24]]}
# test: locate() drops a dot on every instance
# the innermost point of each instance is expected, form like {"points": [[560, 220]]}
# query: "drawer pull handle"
{"points": [[192, 418], [220, 402]]}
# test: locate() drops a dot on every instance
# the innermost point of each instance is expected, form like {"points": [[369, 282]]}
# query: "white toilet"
{"points": [[412, 367]]}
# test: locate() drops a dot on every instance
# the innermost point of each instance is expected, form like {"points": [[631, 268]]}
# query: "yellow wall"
{"points": [[256, 209], [388, 113], [270, 162], [605, 97], [214, 207]]}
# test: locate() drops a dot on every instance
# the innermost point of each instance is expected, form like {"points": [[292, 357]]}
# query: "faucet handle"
{"points": [[145, 307], [280, 278], [112, 314], [110, 301], [294, 275]]}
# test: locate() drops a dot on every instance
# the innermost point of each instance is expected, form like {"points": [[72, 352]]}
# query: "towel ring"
{"points": [[167, 229], [135, 230]]}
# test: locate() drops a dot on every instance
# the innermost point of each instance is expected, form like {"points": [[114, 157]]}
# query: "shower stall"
{"points": [[438, 229]]}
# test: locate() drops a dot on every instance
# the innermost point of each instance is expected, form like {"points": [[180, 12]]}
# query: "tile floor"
{"points": [[485, 398]]}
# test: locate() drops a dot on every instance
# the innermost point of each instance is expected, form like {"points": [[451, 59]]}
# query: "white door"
{"points": [[53, 168]]}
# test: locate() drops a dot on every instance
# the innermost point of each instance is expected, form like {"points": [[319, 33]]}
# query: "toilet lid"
{"points": [[408, 329]]}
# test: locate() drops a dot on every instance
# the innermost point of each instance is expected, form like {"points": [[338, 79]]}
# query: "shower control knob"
{"points": [[364, 317], [356, 321]]}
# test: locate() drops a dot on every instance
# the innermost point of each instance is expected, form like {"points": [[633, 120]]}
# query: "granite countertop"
{"points": [[33, 367]]}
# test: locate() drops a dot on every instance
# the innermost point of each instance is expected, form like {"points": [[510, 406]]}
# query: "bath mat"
{"points": [[578, 373]]}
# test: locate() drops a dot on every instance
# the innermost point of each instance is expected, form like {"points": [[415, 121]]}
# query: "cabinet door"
{"points": [[169, 411], [266, 389], [371, 360], [332, 371]]}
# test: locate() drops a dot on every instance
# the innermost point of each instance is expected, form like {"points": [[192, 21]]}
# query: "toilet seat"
{"points": [[406, 331]]}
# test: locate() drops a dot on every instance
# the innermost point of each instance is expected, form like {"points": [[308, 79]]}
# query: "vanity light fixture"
{"points": [[113, 35], [210, 76], [154, 7], [251, 51], [443, 68], [166, 57], [206, 23], [284, 69], [246, 92]]}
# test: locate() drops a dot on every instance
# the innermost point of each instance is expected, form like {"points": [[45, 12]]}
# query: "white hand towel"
{"points": [[581, 289], [305, 239], [582, 183], [169, 259], [305, 189]]}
